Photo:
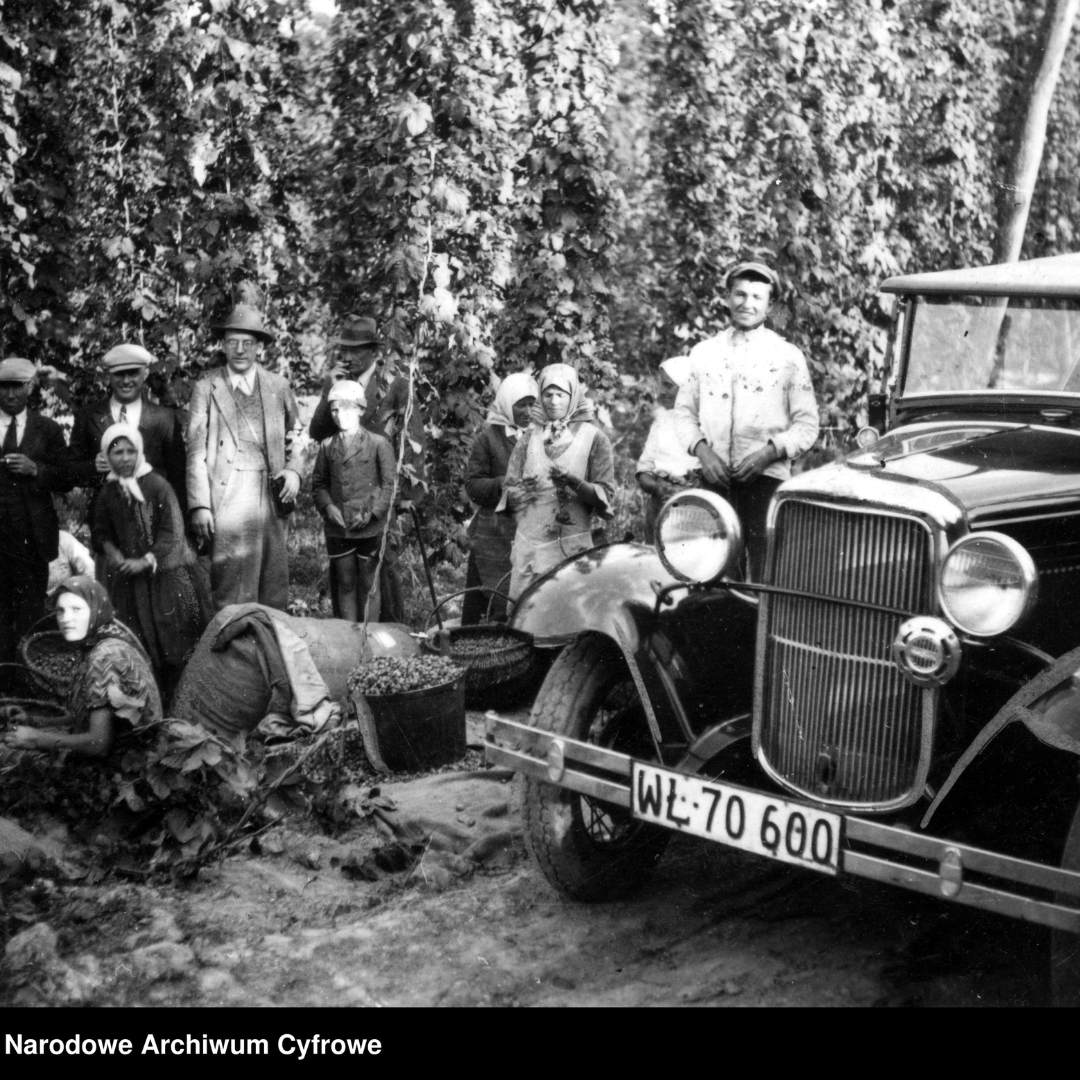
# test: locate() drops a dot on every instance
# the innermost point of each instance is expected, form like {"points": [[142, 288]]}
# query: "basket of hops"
{"points": [[50, 660], [498, 660], [411, 711]]}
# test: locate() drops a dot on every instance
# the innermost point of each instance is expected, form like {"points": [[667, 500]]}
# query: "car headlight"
{"points": [[988, 582], [698, 536]]}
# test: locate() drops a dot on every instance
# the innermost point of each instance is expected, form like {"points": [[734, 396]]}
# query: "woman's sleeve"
{"points": [[101, 529], [118, 680], [511, 493], [166, 517], [387, 464], [601, 473], [483, 483], [647, 461]]}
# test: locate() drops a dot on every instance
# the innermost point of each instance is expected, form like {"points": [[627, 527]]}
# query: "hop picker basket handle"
{"points": [[461, 592]]}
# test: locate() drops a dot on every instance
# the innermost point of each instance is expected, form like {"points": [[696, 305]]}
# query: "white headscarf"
{"points": [[565, 378], [677, 368], [511, 390], [129, 485]]}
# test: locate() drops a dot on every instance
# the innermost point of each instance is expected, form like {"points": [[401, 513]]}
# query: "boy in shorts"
{"points": [[351, 486]]}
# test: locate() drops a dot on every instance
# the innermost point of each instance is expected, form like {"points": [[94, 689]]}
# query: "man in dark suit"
{"points": [[35, 463], [126, 368]]}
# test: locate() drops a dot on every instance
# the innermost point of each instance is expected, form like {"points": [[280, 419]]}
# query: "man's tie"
{"points": [[11, 438], [123, 414]]}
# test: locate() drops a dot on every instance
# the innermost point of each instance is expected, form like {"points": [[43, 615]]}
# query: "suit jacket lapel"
{"points": [[353, 446], [223, 395]]}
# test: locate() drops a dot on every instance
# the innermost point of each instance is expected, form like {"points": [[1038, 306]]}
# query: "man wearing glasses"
{"points": [[241, 432]]}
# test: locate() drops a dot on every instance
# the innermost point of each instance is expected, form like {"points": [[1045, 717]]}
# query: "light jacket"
{"points": [[744, 390], [215, 427]]}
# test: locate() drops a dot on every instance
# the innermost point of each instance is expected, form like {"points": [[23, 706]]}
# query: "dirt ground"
{"points": [[309, 920]]}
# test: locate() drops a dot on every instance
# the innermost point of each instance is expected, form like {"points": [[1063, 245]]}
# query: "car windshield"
{"points": [[975, 344]]}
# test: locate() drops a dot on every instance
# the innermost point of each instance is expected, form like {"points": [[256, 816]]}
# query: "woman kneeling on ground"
{"points": [[113, 689]]}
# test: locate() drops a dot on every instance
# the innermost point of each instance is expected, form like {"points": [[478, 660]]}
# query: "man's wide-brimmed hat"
{"points": [[247, 319], [358, 330], [758, 269]]}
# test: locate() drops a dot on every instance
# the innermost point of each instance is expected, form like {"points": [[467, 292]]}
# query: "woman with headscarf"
{"points": [[153, 576], [560, 473], [490, 534], [665, 465], [113, 689]]}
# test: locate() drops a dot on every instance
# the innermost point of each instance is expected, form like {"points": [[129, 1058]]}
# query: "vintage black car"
{"points": [[899, 697]]}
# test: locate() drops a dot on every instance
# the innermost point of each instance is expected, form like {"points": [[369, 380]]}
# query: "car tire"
{"points": [[590, 850], [1065, 947]]}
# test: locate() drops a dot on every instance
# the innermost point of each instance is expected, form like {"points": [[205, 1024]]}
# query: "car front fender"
{"points": [[691, 657], [1048, 706]]}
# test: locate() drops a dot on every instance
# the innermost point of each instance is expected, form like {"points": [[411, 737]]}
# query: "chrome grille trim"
{"points": [[825, 683]]}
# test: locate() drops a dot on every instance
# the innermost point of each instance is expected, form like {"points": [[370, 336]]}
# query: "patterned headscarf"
{"points": [[101, 609], [511, 390], [129, 485]]}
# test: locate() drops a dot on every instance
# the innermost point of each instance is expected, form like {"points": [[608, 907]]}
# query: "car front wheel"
{"points": [[589, 849], [1065, 947]]}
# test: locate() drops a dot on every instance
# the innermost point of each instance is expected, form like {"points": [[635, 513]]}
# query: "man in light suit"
{"points": [[241, 436], [34, 464], [126, 367]]}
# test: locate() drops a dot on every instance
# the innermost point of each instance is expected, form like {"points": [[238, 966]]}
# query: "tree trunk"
{"points": [[1016, 199]]}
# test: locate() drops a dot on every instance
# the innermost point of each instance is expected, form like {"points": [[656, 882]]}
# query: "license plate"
{"points": [[738, 817]]}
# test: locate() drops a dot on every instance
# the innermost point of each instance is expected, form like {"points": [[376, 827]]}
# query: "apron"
{"points": [[541, 542]]}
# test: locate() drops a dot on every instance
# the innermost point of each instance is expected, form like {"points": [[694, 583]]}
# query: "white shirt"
{"points": [[244, 381], [73, 559], [20, 426], [745, 389], [664, 453], [134, 410]]}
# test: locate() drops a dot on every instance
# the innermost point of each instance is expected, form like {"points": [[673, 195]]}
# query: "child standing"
{"points": [[152, 575], [352, 486], [665, 465]]}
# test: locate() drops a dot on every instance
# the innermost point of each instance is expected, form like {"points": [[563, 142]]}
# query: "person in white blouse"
{"points": [[747, 408]]}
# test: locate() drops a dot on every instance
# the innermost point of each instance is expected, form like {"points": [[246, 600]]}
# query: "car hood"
{"points": [[984, 467]]}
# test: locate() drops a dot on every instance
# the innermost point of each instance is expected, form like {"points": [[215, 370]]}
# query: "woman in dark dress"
{"points": [[113, 690], [153, 576], [491, 535]]}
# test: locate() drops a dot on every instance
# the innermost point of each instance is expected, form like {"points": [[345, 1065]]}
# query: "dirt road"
{"points": [[301, 924]]}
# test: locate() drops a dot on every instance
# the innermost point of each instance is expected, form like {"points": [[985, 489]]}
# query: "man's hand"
{"points": [[712, 468], [101, 463], [132, 567], [753, 465], [335, 516], [202, 523], [360, 519], [20, 464], [291, 488]]}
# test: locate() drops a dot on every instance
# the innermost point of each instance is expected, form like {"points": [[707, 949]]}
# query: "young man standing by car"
{"points": [[747, 408]]}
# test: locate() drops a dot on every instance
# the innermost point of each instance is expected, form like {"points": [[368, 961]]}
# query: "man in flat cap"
{"points": [[747, 407], [359, 348], [35, 464], [126, 368], [241, 437]]}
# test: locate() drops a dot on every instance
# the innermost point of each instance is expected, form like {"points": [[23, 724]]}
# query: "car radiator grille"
{"points": [[838, 720]]}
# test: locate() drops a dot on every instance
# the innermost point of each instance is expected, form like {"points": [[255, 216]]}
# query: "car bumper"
{"points": [[939, 867]]}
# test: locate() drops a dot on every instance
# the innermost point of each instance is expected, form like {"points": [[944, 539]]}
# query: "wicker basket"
{"points": [[498, 660], [51, 660]]}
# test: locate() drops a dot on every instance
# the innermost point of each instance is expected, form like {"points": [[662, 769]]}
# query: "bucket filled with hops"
{"points": [[411, 711]]}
